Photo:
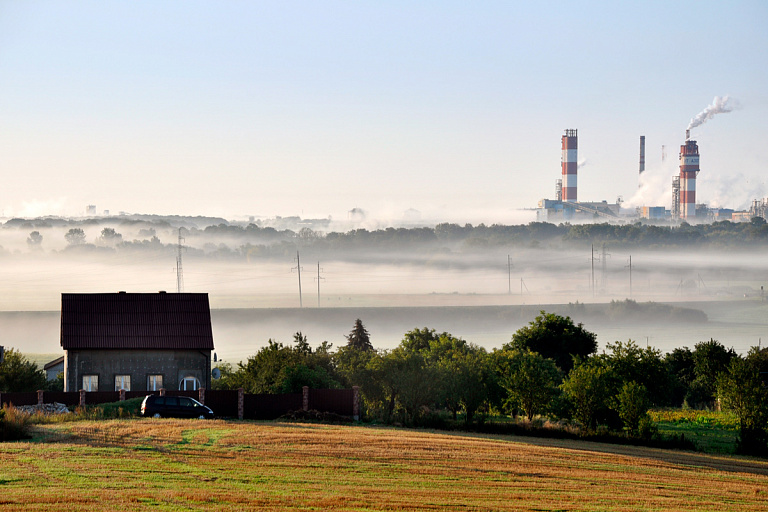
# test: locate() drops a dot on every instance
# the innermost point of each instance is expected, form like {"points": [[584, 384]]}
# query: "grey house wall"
{"points": [[173, 365]]}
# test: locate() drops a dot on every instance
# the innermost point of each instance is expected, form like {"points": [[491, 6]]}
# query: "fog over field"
{"points": [[474, 286]]}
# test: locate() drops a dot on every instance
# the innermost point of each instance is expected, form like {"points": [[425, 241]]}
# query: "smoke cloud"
{"points": [[720, 105]]}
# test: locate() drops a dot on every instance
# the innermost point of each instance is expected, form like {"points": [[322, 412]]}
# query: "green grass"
{"points": [[135, 464], [710, 431]]}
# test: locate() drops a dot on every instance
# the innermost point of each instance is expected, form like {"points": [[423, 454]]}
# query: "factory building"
{"points": [[566, 207]]}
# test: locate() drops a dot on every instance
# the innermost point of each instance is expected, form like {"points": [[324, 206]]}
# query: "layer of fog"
{"points": [[440, 285]]}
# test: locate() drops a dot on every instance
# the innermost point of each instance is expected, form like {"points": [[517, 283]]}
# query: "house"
{"points": [[54, 368], [136, 341]]}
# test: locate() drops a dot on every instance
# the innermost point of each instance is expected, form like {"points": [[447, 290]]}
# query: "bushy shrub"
{"points": [[14, 425]]}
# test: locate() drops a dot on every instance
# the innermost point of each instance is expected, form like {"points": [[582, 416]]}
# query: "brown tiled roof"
{"points": [[136, 321]]}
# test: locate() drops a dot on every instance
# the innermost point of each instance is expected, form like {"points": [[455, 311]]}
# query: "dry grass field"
{"points": [[195, 465]]}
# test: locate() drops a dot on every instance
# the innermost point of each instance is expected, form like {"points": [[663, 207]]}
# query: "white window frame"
{"points": [[188, 381], [153, 380], [91, 382], [122, 382]]}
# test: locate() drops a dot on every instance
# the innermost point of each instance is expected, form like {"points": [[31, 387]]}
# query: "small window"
{"points": [[154, 382], [189, 384], [171, 400], [122, 382], [91, 382], [185, 402]]}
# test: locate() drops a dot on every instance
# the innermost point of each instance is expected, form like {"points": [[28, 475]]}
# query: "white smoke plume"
{"points": [[720, 105]]}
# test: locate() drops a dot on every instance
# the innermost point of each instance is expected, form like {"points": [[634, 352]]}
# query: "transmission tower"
{"points": [[318, 279], [179, 269], [297, 268]]}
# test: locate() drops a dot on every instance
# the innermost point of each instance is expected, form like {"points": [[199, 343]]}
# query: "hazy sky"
{"points": [[455, 109]]}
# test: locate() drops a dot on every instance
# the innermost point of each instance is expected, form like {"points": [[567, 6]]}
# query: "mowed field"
{"points": [[216, 465]]}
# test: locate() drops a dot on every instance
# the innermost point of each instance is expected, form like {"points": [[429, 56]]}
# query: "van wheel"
{"points": [[156, 415]]}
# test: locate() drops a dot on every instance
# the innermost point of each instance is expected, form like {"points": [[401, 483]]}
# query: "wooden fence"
{"points": [[224, 403]]}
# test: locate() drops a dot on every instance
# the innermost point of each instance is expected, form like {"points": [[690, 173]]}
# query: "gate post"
{"points": [[305, 398], [356, 403], [240, 403], [40, 397], [162, 391], [122, 395], [201, 395], [82, 398]]}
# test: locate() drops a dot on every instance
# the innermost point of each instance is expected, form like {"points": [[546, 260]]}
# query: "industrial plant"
{"points": [[566, 207]]}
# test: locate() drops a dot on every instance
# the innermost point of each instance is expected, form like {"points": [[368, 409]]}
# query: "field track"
{"points": [[217, 465]]}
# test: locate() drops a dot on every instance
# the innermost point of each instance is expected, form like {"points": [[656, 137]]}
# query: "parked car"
{"points": [[174, 407]]}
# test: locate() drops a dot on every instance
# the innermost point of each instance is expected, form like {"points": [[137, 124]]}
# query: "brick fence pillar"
{"points": [[305, 398], [356, 402], [122, 395], [162, 391], [82, 398], [201, 395], [240, 403], [40, 397]]}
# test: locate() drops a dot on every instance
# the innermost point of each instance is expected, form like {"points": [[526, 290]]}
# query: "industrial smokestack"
{"points": [[642, 153], [688, 134], [570, 165], [689, 168]]}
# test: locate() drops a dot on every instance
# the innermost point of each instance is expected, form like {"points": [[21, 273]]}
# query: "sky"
{"points": [[453, 109]]}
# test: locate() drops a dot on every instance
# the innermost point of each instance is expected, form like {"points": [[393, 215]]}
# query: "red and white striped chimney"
{"points": [[689, 168], [569, 163]]}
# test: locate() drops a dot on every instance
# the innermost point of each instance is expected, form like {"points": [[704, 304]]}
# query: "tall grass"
{"points": [[14, 424]]}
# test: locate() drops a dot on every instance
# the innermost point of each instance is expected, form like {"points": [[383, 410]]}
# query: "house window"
{"points": [[122, 382], [91, 382], [189, 384], [154, 382]]}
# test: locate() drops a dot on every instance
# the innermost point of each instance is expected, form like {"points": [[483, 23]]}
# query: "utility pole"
{"points": [[509, 274], [522, 284], [604, 265], [179, 270], [298, 270], [318, 278], [593, 270], [630, 276]]}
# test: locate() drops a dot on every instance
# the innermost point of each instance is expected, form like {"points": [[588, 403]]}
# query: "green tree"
{"points": [[742, 390], [645, 366], [632, 405], [35, 240], [530, 379], [710, 359], [280, 369], [555, 337], [359, 337], [462, 369], [588, 387], [75, 236], [682, 369], [110, 237], [17, 374]]}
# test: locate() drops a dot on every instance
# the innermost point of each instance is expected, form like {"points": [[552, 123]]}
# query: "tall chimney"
{"points": [[642, 154], [569, 164], [689, 168]]}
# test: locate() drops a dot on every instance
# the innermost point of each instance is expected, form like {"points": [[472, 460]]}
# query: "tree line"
{"points": [[234, 241], [550, 369]]}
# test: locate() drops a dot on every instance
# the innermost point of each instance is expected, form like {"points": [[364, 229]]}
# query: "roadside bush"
{"points": [[14, 425]]}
